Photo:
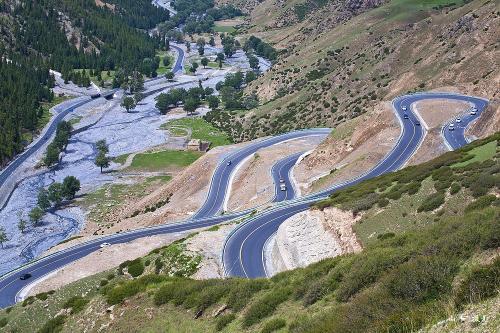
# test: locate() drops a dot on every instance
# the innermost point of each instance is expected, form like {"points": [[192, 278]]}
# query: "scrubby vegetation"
{"points": [[401, 282]]}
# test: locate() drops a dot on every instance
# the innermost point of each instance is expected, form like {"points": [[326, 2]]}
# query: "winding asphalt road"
{"points": [[242, 254], [282, 171], [224, 172], [12, 167]]}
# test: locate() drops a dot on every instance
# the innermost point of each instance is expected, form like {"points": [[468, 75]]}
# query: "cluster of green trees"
{"points": [[231, 91], [132, 81], [229, 44], [24, 84], [140, 14], [49, 198], [79, 78], [261, 48], [191, 99], [58, 145], [104, 37], [198, 16]]}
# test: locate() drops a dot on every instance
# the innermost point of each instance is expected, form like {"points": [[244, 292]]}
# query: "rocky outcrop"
{"points": [[311, 236]]}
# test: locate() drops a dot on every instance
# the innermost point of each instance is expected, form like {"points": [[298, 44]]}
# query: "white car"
{"points": [[282, 180], [283, 187], [473, 112], [104, 245], [458, 120], [403, 108], [451, 127]]}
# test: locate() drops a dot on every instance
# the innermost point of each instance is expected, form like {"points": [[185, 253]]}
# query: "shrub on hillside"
{"points": [[383, 202], [367, 269], [135, 267], [3, 322], [481, 202], [483, 183], [126, 289], [75, 303], [481, 283], [432, 202], [265, 306], [53, 325], [242, 292], [224, 320], [273, 325], [455, 188], [421, 279]]}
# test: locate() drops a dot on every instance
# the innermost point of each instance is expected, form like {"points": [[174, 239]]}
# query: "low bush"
{"points": [[3, 322], [481, 202], [273, 325], [224, 320], [421, 279], [76, 303], [265, 306], [481, 283], [367, 269], [242, 291], [432, 202], [29, 300], [42, 296], [455, 188], [383, 202], [126, 289], [135, 267], [53, 325], [103, 282]]}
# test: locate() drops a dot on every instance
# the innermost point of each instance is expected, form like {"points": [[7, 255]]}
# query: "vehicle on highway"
{"points": [[282, 180], [229, 163], [403, 108], [417, 123], [458, 120], [473, 112], [104, 245], [451, 127], [283, 187], [405, 116], [25, 276]]}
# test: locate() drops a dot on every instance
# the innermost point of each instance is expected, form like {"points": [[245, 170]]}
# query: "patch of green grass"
{"points": [[75, 120], [162, 69], [104, 200], [120, 159], [224, 28], [201, 129], [481, 153], [162, 160], [215, 65]]}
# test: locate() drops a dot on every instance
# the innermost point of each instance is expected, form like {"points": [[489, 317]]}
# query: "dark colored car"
{"points": [[25, 276], [417, 123], [405, 116], [228, 163]]}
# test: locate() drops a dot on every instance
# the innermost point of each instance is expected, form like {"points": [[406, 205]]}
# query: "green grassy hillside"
{"points": [[431, 236]]}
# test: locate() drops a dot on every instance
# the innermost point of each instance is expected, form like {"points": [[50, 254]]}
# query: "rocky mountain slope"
{"points": [[340, 59]]}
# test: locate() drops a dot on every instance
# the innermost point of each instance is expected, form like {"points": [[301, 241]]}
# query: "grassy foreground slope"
{"points": [[340, 59], [410, 276]]}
